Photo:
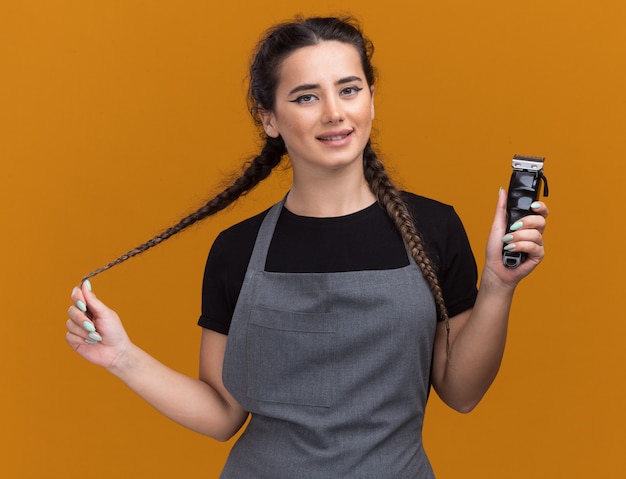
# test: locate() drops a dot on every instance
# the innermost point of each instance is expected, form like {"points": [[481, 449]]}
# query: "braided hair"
{"points": [[389, 197], [274, 46]]}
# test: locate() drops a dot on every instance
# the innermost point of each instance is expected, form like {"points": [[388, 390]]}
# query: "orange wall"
{"points": [[119, 116]]}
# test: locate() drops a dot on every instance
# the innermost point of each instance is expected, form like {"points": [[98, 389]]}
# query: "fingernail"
{"points": [[89, 327], [88, 284], [89, 341], [515, 226], [82, 306], [95, 336], [509, 247], [507, 238], [535, 205]]}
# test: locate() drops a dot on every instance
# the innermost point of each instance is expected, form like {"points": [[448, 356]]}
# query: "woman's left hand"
{"points": [[462, 374], [527, 238]]}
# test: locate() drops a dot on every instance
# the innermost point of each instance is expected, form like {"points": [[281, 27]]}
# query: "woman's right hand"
{"points": [[95, 331], [202, 405]]}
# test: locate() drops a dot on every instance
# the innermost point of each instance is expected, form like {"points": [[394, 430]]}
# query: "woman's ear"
{"points": [[372, 94], [269, 123]]}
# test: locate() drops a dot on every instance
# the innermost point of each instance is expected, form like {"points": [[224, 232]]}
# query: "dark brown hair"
{"points": [[275, 45]]}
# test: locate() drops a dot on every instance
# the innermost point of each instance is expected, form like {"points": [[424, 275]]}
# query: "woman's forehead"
{"points": [[324, 61]]}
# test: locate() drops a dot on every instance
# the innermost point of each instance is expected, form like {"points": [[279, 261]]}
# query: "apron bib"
{"points": [[334, 369]]}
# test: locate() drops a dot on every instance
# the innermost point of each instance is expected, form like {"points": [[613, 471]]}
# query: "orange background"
{"points": [[117, 117]]}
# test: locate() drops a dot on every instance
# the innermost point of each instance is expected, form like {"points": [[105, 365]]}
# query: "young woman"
{"points": [[329, 316]]}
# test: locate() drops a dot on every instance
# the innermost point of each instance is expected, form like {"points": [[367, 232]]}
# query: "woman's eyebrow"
{"points": [[349, 79], [306, 86], [313, 86]]}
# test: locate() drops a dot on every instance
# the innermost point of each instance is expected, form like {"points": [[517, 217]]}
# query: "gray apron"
{"points": [[333, 367]]}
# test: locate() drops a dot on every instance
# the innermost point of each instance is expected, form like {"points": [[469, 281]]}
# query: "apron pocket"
{"points": [[291, 357]]}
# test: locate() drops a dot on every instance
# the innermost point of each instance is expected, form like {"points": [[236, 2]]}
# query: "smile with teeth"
{"points": [[335, 137]]}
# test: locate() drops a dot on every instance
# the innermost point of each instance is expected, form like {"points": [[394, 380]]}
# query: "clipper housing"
{"points": [[526, 181]]}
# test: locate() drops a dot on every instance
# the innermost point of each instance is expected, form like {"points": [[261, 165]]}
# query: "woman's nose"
{"points": [[333, 112]]}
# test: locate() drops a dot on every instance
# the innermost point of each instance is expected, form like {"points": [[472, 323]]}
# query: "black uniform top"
{"points": [[365, 240]]}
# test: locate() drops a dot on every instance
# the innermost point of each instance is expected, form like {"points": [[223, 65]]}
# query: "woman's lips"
{"points": [[333, 136]]}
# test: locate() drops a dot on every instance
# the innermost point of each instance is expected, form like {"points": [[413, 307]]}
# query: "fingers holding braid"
{"points": [[80, 326], [93, 330]]}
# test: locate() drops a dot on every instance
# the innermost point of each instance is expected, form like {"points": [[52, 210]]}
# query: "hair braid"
{"points": [[274, 46], [389, 197], [257, 170]]}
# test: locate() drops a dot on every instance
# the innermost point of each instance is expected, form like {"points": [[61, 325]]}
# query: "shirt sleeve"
{"points": [[216, 301], [458, 271], [225, 271], [448, 247]]}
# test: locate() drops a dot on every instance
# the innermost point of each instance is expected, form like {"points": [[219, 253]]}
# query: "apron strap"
{"points": [[264, 237]]}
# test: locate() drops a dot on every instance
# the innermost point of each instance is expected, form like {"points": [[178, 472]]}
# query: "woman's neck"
{"points": [[330, 196]]}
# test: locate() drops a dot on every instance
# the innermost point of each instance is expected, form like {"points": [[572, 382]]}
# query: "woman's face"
{"points": [[324, 107]]}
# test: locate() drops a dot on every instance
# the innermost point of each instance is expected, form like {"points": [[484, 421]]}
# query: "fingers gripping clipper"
{"points": [[526, 181]]}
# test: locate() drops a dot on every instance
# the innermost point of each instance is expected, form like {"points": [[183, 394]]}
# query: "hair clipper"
{"points": [[526, 181]]}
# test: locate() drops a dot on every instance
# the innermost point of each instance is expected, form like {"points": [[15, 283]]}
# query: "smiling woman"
{"points": [[328, 316], [323, 112]]}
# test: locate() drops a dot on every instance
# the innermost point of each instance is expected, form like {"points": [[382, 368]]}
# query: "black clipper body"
{"points": [[524, 187]]}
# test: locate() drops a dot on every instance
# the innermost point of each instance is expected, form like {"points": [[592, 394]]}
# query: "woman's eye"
{"points": [[305, 99], [351, 90]]}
